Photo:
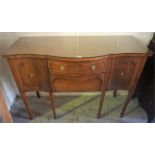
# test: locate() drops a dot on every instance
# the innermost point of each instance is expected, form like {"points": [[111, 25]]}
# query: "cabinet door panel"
{"points": [[124, 71], [29, 73]]}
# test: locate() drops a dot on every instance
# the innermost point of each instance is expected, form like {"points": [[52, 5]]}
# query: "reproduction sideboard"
{"points": [[76, 64]]}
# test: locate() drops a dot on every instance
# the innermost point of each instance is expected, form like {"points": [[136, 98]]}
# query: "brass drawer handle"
{"points": [[31, 75], [122, 73], [62, 68], [93, 67]]}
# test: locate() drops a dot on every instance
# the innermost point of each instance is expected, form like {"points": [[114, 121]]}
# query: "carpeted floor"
{"points": [[79, 109]]}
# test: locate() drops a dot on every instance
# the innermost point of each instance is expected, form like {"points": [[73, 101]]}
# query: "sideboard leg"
{"points": [[130, 93], [52, 104], [38, 94], [101, 104], [115, 93], [26, 104]]}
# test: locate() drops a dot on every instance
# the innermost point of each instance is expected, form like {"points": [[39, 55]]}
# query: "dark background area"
{"points": [[145, 90]]}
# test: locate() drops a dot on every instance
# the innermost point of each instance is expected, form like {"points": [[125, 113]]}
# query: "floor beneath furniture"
{"points": [[82, 109]]}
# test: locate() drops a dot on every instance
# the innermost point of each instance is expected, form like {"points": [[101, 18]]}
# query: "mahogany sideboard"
{"points": [[76, 64]]}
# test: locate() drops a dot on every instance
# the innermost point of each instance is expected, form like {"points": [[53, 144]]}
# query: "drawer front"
{"points": [[29, 73], [77, 68], [124, 72], [77, 84]]}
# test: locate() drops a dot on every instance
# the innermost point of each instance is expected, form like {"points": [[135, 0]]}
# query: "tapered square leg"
{"points": [[52, 104], [115, 93], [101, 104], [26, 104], [38, 94], [130, 93]]}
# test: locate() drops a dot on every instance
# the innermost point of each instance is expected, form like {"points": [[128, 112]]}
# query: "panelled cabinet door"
{"points": [[124, 72], [29, 73]]}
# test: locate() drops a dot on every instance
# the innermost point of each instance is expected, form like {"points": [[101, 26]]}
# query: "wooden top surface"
{"points": [[73, 46]]}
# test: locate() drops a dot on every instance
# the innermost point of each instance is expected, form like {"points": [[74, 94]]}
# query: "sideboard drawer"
{"points": [[29, 73], [77, 68], [77, 83]]}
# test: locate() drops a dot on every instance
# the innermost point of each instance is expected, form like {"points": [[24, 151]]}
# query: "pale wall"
{"points": [[7, 38]]}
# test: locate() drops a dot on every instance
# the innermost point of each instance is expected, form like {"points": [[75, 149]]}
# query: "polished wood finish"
{"points": [[77, 68], [52, 104], [77, 76], [104, 87], [75, 46], [76, 64], [26, 104], [30, 73], [124, 71], [132, 89], [4, 112]]}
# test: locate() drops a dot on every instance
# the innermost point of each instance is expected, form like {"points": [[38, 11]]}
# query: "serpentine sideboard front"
{"points": [[76, 64]]}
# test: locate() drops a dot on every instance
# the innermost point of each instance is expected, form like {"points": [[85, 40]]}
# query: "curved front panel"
{"points": [[76, 76], [115, 71], [78, 68], [76, 84]]}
